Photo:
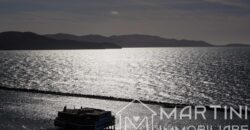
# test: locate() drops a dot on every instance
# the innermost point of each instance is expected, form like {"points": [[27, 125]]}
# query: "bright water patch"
{"points": [[178, 75]]}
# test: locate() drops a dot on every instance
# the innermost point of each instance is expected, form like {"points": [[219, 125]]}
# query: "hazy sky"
{"points": [[215, 21]]}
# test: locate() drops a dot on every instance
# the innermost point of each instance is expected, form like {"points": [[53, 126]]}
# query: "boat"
{"points": [[85, 119]]}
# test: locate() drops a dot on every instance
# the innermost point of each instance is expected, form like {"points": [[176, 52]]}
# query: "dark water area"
{"points": [[34, 111]]}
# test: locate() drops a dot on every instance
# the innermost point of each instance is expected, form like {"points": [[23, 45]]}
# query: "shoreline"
{"points": [[163, 104]]}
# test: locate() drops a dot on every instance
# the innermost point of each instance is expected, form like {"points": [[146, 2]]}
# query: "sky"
{"points": [[214, 21]]}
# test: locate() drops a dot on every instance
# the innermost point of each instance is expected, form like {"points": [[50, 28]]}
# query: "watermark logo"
{"points": [[136, 115]]}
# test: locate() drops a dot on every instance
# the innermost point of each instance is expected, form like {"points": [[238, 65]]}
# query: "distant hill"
{"points": [[92, 38], [238, 45], [133, 40], [31, 41]]}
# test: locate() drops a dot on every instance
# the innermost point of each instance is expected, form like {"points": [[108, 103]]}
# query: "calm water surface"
{"points": [[176, 75]]}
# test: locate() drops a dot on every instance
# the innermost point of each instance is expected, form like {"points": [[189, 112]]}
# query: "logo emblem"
{"points": [[136, 115]]}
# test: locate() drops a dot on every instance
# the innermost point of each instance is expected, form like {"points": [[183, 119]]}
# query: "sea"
{"points": [[175, 75], [188, 75]]}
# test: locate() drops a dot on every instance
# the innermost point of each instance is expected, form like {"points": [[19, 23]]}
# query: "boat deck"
{"points": [[85, 118]]}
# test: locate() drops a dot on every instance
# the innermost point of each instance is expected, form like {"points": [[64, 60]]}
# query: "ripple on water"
{"points": [[179, 75]]}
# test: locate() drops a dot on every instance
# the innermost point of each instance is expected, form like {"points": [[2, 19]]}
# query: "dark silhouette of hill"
{"points": [[92, 38], [238, 45], [154, 41], [133, 40], [31, 41]]}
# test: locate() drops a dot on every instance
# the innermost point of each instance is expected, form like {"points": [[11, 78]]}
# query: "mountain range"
{"points": [[132, 40], [32, 41], [13, 40]]}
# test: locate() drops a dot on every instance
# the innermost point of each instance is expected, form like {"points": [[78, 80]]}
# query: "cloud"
{"points": [[115, 12]]}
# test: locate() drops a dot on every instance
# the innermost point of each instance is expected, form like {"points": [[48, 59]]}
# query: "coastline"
{"points": [[110, 98]]}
